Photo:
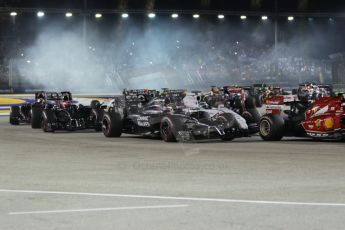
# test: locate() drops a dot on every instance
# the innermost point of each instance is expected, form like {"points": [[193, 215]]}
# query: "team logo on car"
{"points": [[318, 123]]}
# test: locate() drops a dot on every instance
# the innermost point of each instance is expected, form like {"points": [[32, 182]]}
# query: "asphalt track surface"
{"points": [[82, 180]]}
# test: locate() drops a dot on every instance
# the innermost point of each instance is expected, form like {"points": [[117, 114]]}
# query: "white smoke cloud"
{"points": [[154, 56]]}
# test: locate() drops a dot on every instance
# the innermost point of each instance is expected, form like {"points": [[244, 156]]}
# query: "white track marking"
{"points": [[175, 198], [100, 209]]}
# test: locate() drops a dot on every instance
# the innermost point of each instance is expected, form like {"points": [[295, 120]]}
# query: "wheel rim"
{"points": [[105, 126], [265, 127], [223, 121], [165, 129]]}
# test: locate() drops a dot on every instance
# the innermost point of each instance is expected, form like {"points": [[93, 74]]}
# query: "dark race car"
{"points": [[31, 113], [64, 114], [310, 91], [172, 116]]}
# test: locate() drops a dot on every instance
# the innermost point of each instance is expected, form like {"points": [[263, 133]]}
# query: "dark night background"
{"points": [[233, 5], [110, 53]]}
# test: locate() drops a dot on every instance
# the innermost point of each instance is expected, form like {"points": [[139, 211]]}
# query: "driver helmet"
{"points": [[66, 102], [40, 97]]}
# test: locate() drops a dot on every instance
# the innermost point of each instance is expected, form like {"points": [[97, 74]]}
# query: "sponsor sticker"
{"points": [[143, 121], [318, 123]]}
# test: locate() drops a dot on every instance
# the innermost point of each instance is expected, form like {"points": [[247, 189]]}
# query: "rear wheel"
{"points": [[112, 125], [167, 130], [271, 127], [14, 115]]}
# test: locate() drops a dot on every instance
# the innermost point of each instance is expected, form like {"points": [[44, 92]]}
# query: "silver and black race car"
{"points": [[173, 116]]}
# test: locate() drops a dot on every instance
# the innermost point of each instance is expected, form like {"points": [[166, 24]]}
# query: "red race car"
{"points": [[323, 118]]}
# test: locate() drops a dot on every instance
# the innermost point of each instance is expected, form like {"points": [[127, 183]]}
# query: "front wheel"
{"points": [[166, 130], [271, 127], [112, 125], [36, 117], [14, 115]]}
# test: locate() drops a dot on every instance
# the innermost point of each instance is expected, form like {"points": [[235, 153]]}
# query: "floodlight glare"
{"points": [[151, 15], [40, 14], [221, 16], [13, 14], [174, 15], [68, 14], [264, 17], [290, 18], [98, 15], [124, 15], [196, 16], [243, 17]]}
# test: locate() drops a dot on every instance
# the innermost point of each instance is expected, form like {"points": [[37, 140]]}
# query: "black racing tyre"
{"points": [[14, 115], [258, 100], [272, 127], [256, 116], [227, 118], [167, 130], [249, 103], [112, 125], [36, 117], [94, 104]]}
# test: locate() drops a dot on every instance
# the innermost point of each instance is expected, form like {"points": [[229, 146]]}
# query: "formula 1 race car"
{"points": [[30, 112], [310, 91], [63, 114], [146, 112], [320, 119]]}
